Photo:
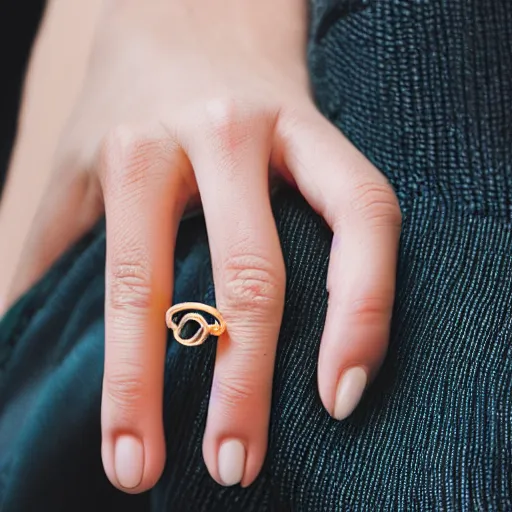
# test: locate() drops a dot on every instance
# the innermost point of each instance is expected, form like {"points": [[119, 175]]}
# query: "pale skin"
{"points": [[188, 103]]}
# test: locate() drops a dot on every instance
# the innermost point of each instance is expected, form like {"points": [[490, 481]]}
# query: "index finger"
{"points": [[144, 203]]}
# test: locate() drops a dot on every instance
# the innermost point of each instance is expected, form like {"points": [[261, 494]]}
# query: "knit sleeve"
{"points": [[324, 13]]}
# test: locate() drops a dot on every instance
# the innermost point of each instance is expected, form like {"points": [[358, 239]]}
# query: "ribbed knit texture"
{"points": [[423, 88]]}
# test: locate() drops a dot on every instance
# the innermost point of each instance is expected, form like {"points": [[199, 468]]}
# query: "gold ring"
{"points": [[205, 329]]}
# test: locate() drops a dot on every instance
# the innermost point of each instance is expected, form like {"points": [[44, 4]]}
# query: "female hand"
{"points": [[190, 102]]}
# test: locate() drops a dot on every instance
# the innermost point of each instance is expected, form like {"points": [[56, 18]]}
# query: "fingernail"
{"points": [[129, 461], [231, 462], [350, 390]]}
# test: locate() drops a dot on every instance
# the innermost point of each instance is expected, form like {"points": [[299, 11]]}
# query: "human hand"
{"points": [[189, 103]]}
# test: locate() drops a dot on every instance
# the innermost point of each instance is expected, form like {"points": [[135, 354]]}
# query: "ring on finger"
{"points": [[205, 329]]}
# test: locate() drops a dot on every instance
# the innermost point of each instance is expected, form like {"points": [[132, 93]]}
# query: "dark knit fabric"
{"points": [[424, 89]]}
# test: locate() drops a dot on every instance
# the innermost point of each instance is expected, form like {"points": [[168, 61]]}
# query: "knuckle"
{"points": [[371, 310], [126, 157], [232, 392], [125, 390], [129, 287], [222, 114], [118, 143], [252, 281], [230, 123], [377, 204]]}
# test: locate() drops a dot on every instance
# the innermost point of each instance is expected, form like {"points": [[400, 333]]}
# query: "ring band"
{"points": [[205, 329]]}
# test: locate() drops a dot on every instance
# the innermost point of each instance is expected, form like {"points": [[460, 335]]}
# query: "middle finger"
{"points": [[232, 174]]}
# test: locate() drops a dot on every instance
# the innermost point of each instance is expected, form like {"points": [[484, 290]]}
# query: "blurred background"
{"points": [[45, 51]]}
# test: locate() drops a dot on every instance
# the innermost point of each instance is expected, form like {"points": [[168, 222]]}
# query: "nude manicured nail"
{"points": [[350, 390], [231, 462], [129, 461]]}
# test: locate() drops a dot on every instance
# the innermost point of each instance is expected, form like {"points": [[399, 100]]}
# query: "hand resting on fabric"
{"points": [[191, 103]]}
